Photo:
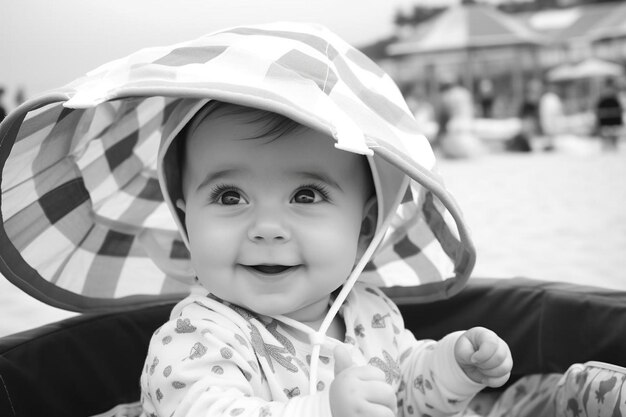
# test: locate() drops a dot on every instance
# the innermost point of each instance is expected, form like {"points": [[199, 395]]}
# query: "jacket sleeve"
{"points": [[197, 367], [433, 383]]}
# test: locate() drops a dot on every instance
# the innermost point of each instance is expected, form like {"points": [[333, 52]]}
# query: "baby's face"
{"points": [[273, 224]]}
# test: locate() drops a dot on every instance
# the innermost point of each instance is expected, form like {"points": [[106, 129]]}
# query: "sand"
{"points": [[557, 216]]}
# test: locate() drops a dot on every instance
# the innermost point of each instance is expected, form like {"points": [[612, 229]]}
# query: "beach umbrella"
{"points": [[465, 27], [563, 72], [597, 68], [587, 69]]}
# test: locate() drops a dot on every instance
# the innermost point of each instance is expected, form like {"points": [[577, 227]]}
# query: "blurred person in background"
{"points": [[551, 116], [455, 117], [486, 97], [609, 115], [529, 118], [423, 111]]}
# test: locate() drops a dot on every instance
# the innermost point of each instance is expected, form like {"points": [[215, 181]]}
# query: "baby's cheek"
{"points": [[210, 250], [333, 245], [210, 237]]}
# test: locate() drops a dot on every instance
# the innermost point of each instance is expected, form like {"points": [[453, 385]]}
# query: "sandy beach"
{"points": [[557, 216]]}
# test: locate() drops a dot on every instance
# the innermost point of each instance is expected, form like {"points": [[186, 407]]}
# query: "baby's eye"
{"points": [[228, 198], [308, 196], [231, 198]]}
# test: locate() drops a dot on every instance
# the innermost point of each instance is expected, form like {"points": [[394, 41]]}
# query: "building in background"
{"points": [[479, 41], [470, 42]]}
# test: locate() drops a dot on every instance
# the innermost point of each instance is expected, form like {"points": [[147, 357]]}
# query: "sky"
{"points": [[45, 44]]}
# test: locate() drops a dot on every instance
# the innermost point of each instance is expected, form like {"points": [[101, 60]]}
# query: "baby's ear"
{"points": [[368, 224], [180, 204]]}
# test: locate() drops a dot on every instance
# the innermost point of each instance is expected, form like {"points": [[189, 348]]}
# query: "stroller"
{"points": [[85, 228], [90, 365]]}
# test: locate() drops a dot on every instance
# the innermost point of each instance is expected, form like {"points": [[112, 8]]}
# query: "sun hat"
{"points": [[85, 225]]}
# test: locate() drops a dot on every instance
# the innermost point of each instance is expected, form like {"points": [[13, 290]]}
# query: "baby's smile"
{"points": [[270, 269]]}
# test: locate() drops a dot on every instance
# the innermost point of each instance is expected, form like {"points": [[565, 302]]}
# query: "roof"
{"points": [[584, 21], [465, 27], [613, 24]]}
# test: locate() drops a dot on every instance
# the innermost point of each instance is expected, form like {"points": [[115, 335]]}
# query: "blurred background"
{"points": [[522, 100]]}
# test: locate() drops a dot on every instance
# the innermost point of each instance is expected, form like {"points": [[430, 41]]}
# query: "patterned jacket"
{"points": [[216, 359]]}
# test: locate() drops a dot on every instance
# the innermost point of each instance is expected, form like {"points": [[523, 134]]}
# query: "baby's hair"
{"points": [[272, 125]]}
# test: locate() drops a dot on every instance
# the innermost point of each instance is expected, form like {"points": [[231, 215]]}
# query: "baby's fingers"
{"points": [[491, 354], [382, 394], [502, 368], [484, 357], [495, 382], [497, 375]]}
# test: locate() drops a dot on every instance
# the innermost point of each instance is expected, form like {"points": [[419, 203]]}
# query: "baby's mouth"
{"points": [[271, 269]]}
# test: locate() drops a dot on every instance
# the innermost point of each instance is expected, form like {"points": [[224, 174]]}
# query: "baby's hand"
{"points": [[359, 390], [484, 357]]}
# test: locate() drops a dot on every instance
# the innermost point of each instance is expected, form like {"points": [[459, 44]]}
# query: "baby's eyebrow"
{"points": [[318, 176], [218, 175]]}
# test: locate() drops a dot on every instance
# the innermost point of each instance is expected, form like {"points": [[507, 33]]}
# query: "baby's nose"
{"points": [[268, 226]]}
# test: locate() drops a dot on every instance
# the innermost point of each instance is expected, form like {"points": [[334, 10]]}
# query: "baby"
{"points": [[276, 218]]}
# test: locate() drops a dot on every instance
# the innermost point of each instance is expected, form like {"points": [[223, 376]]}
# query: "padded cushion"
{"points": [[81, 366], [548, 325]]}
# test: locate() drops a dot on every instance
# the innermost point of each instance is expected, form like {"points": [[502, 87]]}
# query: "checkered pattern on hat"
{"points": [[85, 225]]}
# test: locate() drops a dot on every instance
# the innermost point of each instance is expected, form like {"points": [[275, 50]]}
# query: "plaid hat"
{"points": [[85, 225]]}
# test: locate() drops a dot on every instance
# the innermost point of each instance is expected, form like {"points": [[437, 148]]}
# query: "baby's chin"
{"points": [[283, 306]]}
